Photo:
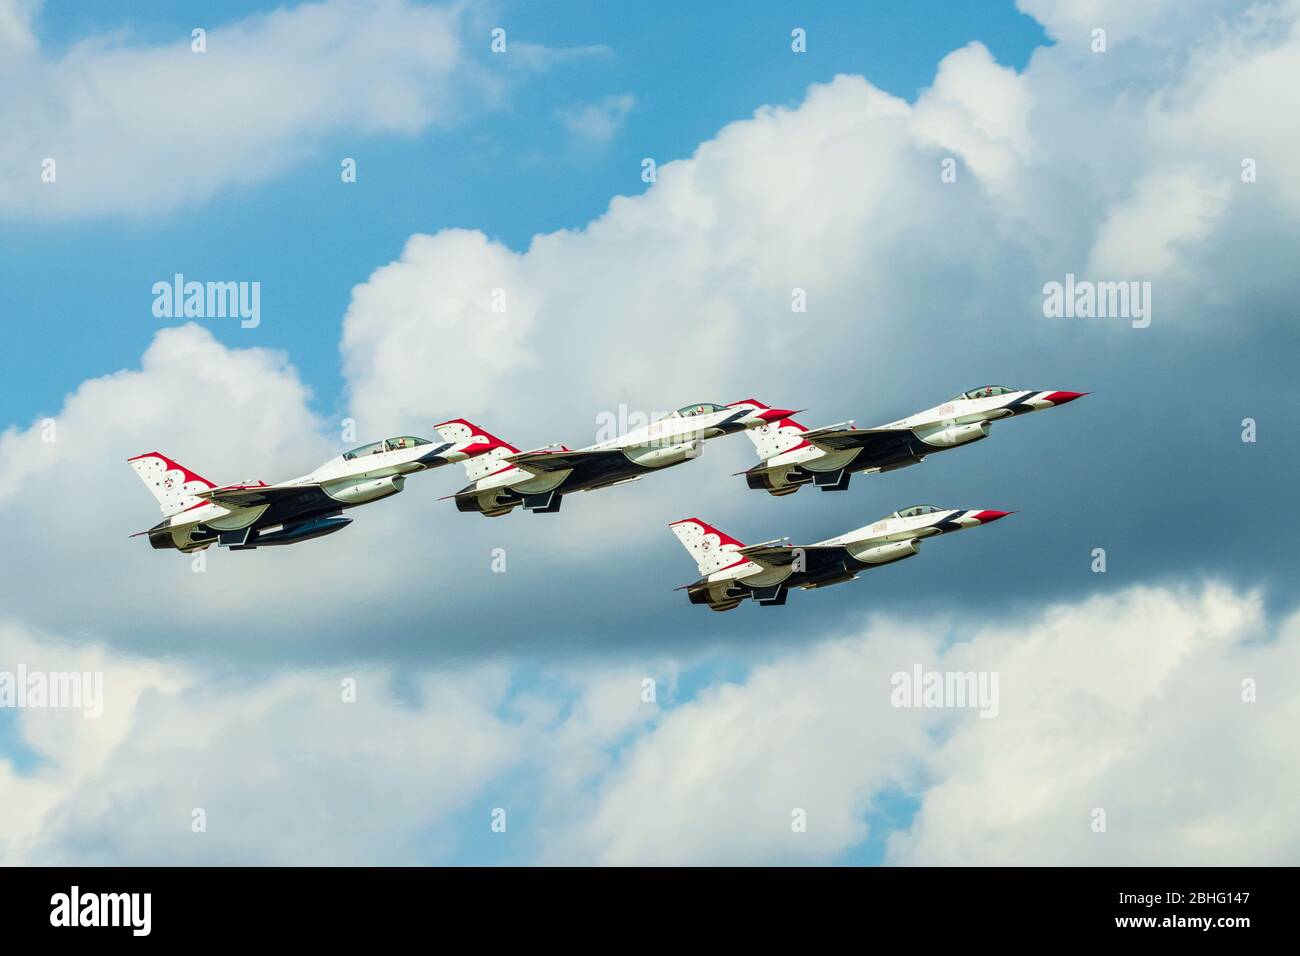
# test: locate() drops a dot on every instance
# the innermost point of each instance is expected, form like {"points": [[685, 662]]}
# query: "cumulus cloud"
{"points": [[1165, 709], [138, 128], [1141, 236], [362, 763], [275, 765], [686, 289], [453, 313], [1132, 704]]}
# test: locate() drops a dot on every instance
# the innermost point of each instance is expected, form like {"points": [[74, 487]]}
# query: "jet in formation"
{"points": [[506, 478], [793, 456], [730, 571], [198, 513]]}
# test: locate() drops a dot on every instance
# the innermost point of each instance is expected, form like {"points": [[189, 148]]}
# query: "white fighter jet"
{"points": [[197, 513], [793, 455], [730, 572], [505, 477]]}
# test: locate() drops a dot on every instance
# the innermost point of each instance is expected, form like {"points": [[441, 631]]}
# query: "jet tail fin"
{"points": [[487, 450], [776, 437], [173, 485], [712, 549]]}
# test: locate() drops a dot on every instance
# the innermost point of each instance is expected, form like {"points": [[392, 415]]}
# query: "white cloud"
{"points": [[717, 781], [137, 128], [980, 111], [1113, 162], [83, 746], [1141, 237], [1157, 23], [284, 769], [1130, 702], [438, 323], [16, 26], [595, 124]]}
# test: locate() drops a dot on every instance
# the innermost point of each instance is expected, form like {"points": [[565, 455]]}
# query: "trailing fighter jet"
{"points": [[506, 477], [827, 457], [731, 572], [197, 513]]}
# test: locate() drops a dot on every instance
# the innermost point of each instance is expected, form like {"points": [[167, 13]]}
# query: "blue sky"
{"points": [[777, 170]]}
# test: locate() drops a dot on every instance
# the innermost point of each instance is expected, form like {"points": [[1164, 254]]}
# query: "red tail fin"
{"points": [[485, 449]]}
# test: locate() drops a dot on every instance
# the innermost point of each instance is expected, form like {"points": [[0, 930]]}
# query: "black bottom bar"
{"points": [[333, 905]]}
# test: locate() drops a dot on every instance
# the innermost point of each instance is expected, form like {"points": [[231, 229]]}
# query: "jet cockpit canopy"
{"points": [[388, 444]]}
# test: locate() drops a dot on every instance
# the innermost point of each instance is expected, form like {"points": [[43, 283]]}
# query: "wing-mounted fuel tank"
{"points": [[303, 531], [950, 436], [359, 491], [661, 456], [869, 553]]}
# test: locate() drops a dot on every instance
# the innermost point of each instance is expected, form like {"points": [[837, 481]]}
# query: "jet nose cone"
{"points": [[1060, 398], [984, 517], [776, 414]]}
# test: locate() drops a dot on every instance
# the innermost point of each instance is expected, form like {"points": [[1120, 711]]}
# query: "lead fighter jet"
{"points": [[505, 477], [793, 456], [197, 513], [730, 572]]}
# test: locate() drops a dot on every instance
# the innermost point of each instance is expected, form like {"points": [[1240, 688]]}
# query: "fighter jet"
{"points": [[730, 572], [793, 455], [505, 477], [197, 513]]}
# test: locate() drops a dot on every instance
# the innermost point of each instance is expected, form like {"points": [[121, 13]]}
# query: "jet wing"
{"points": [[875, 441], [250, 496], [762, 546], [778, 555], [542, 462]]}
